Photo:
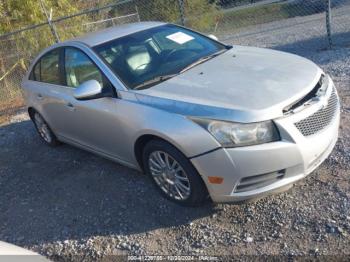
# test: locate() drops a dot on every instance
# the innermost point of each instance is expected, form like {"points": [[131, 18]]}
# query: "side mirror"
{"points": [[213, 37], [91, 89]]}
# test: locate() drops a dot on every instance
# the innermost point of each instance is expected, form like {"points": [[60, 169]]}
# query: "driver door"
{"points": [[94, 123]]}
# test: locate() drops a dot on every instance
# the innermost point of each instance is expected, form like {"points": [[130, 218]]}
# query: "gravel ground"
{"points": [[298, 34], [69, 204]]}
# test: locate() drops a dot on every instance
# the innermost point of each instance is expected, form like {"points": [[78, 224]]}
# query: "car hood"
{"points": [[244, 84]]}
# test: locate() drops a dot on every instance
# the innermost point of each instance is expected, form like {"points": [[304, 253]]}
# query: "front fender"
{"points": [[181, 132]]}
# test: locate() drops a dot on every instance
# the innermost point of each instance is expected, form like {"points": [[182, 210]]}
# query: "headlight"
{"points": [[230, 134]]}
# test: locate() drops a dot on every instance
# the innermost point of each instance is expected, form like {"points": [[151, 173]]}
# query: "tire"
{"points": [[176, 170], [44, 130]]}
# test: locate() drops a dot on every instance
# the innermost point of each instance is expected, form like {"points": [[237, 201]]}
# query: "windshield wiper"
{"points": [[154, 81], [162, 78], [202, 60]]}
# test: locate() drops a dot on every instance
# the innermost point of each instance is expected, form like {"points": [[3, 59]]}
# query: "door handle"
{"points": [[39, 96], [70, 106]]}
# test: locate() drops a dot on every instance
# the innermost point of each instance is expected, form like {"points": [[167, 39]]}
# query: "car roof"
{"points": [[102, 36]]}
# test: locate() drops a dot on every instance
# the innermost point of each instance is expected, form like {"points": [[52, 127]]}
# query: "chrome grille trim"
{"points": [[320, 119]]}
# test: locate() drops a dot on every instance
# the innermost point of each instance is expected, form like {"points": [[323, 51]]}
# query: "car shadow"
{"points": [[50, 194]]}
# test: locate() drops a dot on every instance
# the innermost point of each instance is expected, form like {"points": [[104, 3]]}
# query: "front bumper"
{"points": [[295, 156]]}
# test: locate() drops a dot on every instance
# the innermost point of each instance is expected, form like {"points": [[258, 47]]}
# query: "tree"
{"points": [[199, 14], [15, 14]]}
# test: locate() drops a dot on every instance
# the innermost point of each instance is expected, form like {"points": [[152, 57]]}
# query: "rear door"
{"points": [[48, 91]]}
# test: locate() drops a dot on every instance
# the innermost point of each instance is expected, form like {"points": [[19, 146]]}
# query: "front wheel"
{"points": [[173, 174]]}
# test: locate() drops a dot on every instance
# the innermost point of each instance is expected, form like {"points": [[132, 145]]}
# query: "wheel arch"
{"points": [[141, 142], [31, 111]]}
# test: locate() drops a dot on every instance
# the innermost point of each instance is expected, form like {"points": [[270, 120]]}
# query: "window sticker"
{"points": [[180, 38]]}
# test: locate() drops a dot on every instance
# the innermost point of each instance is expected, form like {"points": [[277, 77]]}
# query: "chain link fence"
{"points": [[293, 25]]}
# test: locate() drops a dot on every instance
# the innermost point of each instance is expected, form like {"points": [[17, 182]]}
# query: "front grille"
{"points": [[258, 181], [320, 119]]}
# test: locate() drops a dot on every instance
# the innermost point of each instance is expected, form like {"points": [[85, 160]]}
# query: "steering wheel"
{"points": [[141, 67], [176, 51]]}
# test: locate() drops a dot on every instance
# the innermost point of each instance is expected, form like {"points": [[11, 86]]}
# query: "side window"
{"points": [[49, 68], [79, 68]]}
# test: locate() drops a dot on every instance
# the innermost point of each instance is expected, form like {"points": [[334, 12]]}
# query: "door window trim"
{"points": [[91, 60], [62, 68]]}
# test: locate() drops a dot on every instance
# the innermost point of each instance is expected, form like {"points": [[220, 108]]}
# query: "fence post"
{"points": [[328, 23], [182, 11], [49, 21], [138, 14]]}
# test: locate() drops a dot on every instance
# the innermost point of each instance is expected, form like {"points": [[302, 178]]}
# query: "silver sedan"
{"points": [[203, 119]]}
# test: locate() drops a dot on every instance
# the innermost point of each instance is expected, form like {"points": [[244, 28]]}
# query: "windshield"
{"points": [[145, 58]]}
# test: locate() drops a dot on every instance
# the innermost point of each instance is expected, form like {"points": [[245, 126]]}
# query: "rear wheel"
{"points": [[173, 174], [44, 130]]}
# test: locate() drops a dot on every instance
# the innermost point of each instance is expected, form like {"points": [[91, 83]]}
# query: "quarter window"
{"points": [[79, 68], [36, 72]]}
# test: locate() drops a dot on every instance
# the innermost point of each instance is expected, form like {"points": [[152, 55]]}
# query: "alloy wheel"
{"points": [[169, 175]]}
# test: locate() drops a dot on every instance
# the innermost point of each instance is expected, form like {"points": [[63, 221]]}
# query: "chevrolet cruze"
{"points": [[201, 118]]}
